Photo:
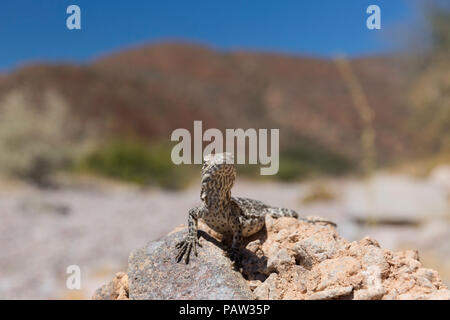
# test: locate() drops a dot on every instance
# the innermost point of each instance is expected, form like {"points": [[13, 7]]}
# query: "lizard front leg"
{"points": [[235, 251], [191, 240]]}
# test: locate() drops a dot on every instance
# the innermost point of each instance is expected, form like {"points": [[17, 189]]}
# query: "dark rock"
{"points": [[153, 272]]}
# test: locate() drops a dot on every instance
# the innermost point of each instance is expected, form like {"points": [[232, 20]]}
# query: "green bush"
{"points": [[305, 160], [301, 162], [135, 161]]}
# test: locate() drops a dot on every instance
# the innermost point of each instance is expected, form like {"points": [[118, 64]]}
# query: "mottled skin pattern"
{"points": [[234, 217]]}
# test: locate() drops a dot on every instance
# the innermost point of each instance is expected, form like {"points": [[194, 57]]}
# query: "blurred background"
{"points": [[86, 117]]}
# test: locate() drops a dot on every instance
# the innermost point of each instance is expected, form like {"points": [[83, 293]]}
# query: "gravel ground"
{"points": [[42, 232]]}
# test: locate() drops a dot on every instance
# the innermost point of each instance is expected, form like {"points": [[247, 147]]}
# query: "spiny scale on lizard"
{"points": [[231, 216]]}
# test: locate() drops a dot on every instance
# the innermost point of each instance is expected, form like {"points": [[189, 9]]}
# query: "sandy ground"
{"points": [[95, 226]]}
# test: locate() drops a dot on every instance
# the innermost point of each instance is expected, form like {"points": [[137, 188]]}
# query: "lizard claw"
{"points": [[185, 247]]}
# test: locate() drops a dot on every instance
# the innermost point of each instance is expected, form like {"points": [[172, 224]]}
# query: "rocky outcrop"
{"points": [[289, 259], [117, 289], [154, 274]]}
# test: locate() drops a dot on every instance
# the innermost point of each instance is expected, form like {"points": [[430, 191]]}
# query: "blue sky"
{"points": [[35, 30]]}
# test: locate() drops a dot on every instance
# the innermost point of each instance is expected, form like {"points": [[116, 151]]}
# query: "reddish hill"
{"points": [[152, 90]]}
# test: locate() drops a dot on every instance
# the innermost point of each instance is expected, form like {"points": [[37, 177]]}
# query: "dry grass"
{"points": [[33, 139], [365, 113]]}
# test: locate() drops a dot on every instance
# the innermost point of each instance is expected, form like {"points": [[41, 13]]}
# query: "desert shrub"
{"points": [[430, 92], [32, 140], [302, 161], [292, 169], [133, 160], [317, 159]]}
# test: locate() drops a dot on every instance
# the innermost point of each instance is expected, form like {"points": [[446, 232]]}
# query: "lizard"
{"points": [[235, 217]]}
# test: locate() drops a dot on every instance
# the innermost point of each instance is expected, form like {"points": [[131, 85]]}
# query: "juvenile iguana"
{"points": [[230, 216]]}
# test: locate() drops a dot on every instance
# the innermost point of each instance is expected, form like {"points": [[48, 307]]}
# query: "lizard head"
{"points": [[218, 175]]}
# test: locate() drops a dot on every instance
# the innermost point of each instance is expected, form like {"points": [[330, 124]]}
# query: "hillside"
{"points": [[151, 90]]}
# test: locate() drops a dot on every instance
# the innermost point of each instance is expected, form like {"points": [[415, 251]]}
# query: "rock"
{"points": [[315, 248], [325, 266], [154, 274], [268, 289], [289, 259], [373, 283], [277, 260], [340, 272], [117, 289], [253, 284], [331, 293]]}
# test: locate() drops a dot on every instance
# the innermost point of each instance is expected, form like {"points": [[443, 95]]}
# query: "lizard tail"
{"points": [[282, 212]]}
